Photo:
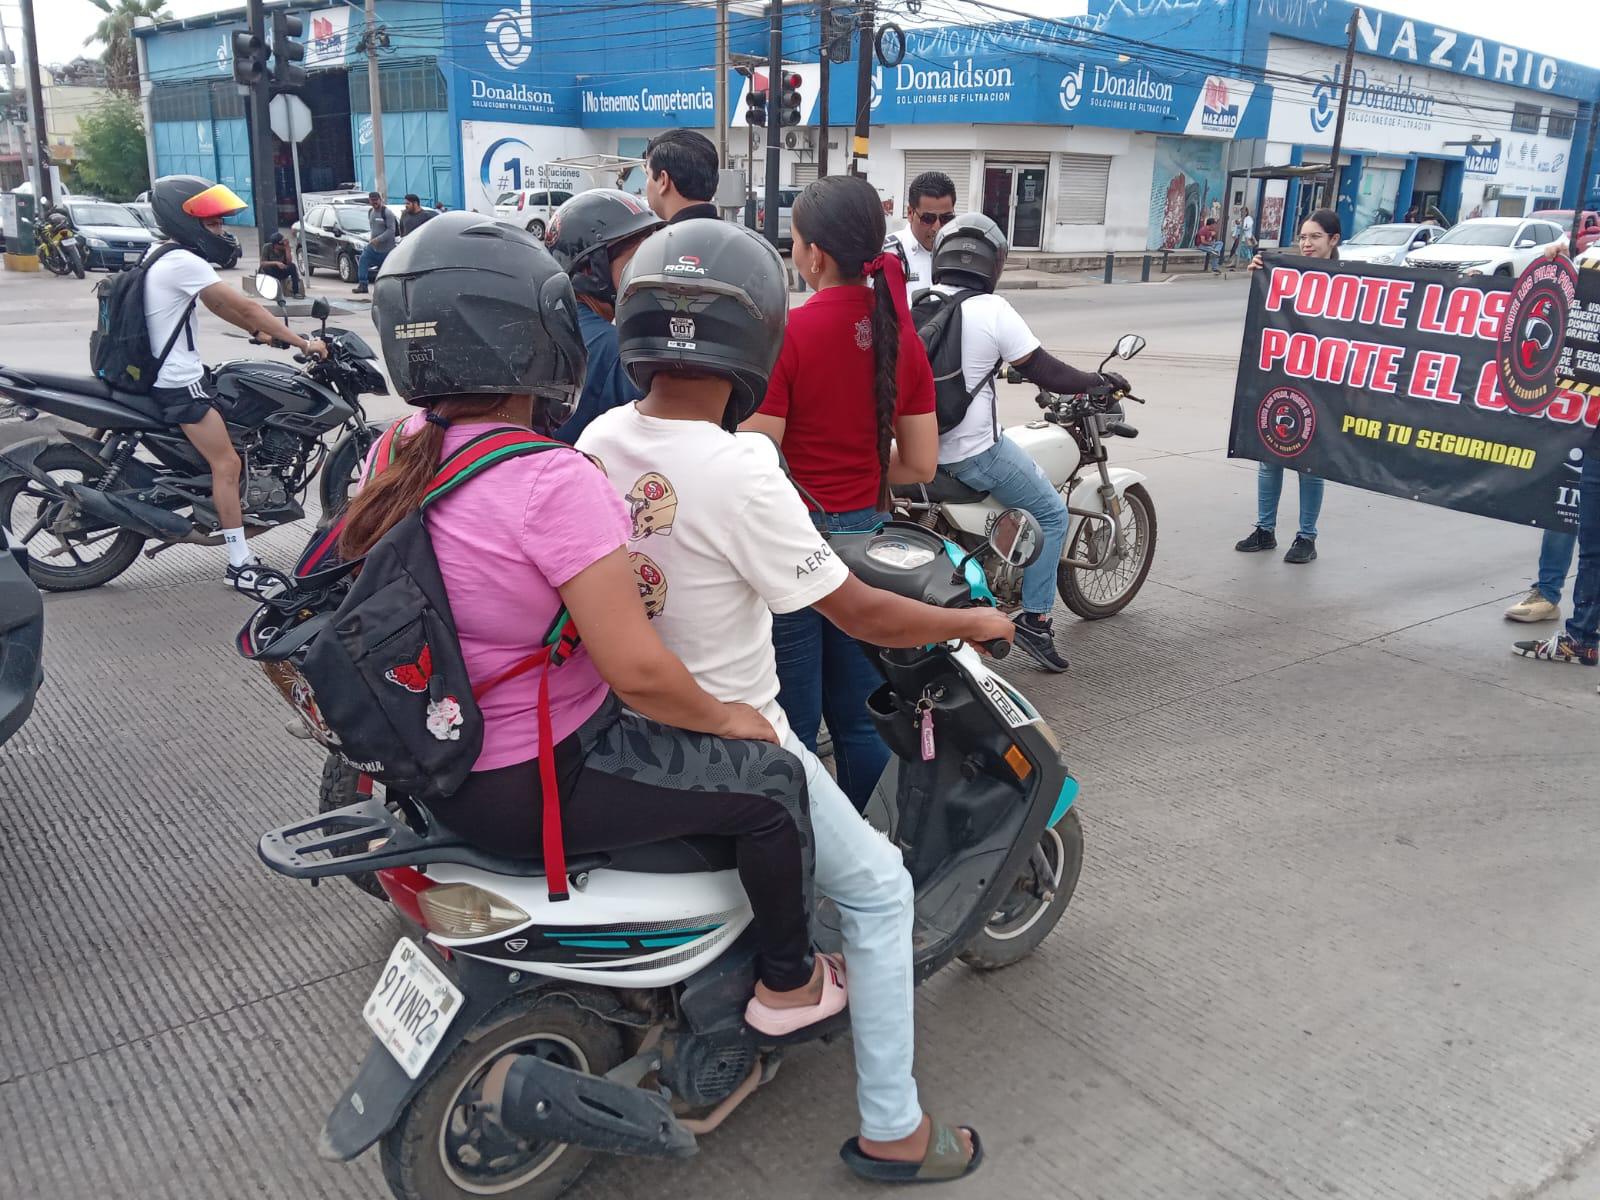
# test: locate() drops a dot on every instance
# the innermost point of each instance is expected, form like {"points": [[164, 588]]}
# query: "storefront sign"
{"points": [[1391, 380], [1483, 159], [327, 37], [499, 157], [1220, 107]]}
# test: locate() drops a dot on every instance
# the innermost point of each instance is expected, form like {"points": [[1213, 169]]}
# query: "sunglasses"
{"points": [[930, 218]]}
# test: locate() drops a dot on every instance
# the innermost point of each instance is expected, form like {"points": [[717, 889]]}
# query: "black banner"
{"points": [[1436, 388], [1579, 367]]}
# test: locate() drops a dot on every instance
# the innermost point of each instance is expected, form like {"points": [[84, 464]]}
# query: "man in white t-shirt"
{"points": [[930, 206], [720, 542], [181, 276], [971, 254]]}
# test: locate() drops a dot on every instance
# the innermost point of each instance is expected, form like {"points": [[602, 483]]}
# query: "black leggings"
{"points": [[629, 781]]}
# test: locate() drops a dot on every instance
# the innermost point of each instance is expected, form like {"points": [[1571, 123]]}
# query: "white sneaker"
{"points": [[1533, 608], [255, 579]]}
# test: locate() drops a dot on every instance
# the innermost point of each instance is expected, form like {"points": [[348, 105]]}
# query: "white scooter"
{"points": [[1111, 540]]}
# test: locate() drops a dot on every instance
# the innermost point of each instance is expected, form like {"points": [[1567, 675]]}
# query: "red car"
{"points": [[1588, 230]]}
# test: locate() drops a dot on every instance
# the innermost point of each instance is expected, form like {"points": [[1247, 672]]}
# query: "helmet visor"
{"points": [[218, 200]]}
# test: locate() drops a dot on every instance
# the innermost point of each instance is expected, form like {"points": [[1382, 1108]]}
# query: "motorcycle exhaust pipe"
{"points": [[147, 520], [540, 1099]]}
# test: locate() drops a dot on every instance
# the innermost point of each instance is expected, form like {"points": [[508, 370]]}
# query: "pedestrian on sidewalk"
{"points": [[1319, 238], [383, 231], [277, 261], [930, 206], [1245, 247]]}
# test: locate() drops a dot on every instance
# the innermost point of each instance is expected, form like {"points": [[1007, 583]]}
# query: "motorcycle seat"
{"points": [[90, 385], [943, 488], [675, 856]]}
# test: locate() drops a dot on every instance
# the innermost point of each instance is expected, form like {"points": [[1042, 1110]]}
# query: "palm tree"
{"points": [[115, 32]]}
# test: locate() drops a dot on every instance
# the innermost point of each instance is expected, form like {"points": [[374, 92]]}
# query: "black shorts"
{"points": [[184, 405]]}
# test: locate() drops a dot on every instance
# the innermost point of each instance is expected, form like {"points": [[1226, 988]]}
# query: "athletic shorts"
{"points": [[184, 405]]}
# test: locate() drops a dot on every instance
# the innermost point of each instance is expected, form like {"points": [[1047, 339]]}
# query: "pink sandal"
{"points": [[786, 1022]]}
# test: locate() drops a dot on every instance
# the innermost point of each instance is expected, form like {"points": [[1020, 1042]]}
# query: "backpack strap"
{"points": [[481, 453], [183, 319]]}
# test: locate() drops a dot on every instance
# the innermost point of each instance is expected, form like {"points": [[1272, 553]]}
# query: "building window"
{"points": [[196, 100], [1525, 118], [1562, 124], [415, 87]]}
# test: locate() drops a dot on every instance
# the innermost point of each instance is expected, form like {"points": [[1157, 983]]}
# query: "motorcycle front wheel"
{"points": [[77, 561], [1094, 595], [74, 260], [1036, 901], [342, 470]]}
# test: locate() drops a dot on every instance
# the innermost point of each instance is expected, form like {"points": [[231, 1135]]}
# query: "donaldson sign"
{"points": [[509, 97], [961, 82]]}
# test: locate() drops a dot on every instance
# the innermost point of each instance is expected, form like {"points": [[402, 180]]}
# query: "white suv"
{"points": [[531, 208], [1488, 246]]}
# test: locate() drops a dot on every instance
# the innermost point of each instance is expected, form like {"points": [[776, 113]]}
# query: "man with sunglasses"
{"points": [[930, 206]]}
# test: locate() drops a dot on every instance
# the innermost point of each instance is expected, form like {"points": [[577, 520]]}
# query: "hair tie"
{"points": [[433, 418], [872, 266], [893, 269]]}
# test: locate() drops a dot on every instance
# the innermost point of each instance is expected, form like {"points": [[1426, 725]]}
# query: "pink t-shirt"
{"points": [[505, 542]]}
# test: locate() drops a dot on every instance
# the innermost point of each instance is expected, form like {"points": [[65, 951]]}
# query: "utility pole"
{"points": [[720, 92], [380, 180], [1344, 96], [825, 62], [37, 135], [774, 118], [1582, 201], [858, 147]]}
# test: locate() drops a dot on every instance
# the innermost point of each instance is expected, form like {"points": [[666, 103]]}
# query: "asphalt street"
{"points": [[1334, 937]]}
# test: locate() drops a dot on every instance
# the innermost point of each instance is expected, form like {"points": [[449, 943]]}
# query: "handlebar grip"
{"points": [[998, 648], [301, 358], [1122, 429]]}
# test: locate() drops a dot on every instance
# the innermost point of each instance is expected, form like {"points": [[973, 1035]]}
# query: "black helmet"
{"points": [[971, 252], [708, 298], [467, 306], [183, 203], [584, 229]]}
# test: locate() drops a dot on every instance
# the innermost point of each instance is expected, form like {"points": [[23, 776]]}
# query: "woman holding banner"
{"points": [[1319, 238]]}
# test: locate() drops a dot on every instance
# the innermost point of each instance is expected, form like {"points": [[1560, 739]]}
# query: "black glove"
{"points": [[1115, 382]]}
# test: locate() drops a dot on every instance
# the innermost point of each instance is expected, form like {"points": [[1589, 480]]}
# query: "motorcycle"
{"points": [[1111, 540], [57, 244], [85, 506], [516, 1039]]}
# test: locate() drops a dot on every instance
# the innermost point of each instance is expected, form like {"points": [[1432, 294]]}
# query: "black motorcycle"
{"points": [[84, 506]]}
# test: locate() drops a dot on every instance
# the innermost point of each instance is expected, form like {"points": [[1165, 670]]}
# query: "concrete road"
{"points": [[1335, 933]]}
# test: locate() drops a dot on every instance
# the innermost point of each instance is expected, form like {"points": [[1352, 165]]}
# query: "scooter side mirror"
{"points": [[1129, 344], [268, 288], [320, 309], [1017, 538]]}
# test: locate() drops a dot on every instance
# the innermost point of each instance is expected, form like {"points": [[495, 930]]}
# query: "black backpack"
{"points": [[366, 652], [937, 316], [119, 348]]}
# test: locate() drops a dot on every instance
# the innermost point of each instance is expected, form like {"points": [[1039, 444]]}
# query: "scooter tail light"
{"points": [[405, 886], [464, 910]]}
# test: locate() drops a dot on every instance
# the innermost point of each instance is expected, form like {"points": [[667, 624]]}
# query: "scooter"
{"points": [[515, 1039], [1111, 540]]}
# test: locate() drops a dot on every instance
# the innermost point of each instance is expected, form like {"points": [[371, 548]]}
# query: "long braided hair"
{"points": [[842, 215]]}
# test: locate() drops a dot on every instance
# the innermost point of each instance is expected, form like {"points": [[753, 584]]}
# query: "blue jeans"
{"points": [[1584, 627], [824, 673], [1213, 257], [1014, 479], [1269, 486], [371, 260], [865, 876], [1555, 560]]}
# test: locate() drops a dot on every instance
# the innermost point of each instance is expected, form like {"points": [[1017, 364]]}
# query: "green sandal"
{"points": [[945, 1160]]}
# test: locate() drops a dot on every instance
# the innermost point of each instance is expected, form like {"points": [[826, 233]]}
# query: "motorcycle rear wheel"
{"points": [[1026, 916], [63, 463], [1095, 595], [53, 260], [444, 1147]]}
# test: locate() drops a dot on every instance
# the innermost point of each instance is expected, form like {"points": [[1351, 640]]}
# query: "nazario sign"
{"points": [[1391, 380]]}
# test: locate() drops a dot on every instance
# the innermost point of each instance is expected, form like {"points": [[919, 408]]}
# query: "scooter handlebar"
{"points": [[997, 649]]}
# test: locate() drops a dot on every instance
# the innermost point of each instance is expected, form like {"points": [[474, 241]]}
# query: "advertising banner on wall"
{"points": [[660, 100], [1185, 188], [1437, 389], [499, 157], [327, 37]]}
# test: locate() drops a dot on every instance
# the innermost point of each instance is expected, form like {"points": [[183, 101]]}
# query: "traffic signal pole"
{"points": [[264, 177], [774, 117], [37, 133]]}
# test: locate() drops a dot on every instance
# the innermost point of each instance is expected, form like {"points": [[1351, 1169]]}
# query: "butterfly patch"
{"points": [[413, 676]]}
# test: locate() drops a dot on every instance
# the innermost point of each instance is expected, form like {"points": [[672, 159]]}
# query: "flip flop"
{"points": [[945, 1161], [784, 1023]]}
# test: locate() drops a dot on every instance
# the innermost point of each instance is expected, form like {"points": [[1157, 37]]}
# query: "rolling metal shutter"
{"points": [[1081, 189], [803, 173], [955, 163]]}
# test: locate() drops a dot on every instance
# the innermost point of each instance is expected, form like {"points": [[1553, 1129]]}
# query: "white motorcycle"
{"points": [[1111, 540]]}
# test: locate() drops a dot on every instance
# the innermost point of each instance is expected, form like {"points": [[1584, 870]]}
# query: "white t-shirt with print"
{"points": [[177, 278], [919, 262], [720, 542], [991, 331]]}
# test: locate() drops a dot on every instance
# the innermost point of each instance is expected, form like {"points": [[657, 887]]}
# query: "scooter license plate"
{"points": [[411, 1006]]}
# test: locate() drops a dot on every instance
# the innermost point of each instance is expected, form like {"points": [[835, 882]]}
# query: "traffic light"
{"points": [[789, 101], [287, 52], [755, 107], [249, 59]]}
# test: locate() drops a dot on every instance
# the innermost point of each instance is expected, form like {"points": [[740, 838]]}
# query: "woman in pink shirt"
{"points": [[479, 328]]}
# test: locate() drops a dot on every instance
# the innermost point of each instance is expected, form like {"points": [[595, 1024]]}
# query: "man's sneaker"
{"points": [[1037, 637], [255, 578], [1259, 539], [1303, 550], [1533, 607], [1559, 648]]}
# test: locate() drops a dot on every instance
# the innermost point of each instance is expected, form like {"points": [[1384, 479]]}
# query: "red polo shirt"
{"points": [[822, 388]]}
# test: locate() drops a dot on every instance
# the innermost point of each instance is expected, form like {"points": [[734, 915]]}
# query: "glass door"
{"points": [[998, 183], [1013, 198]]}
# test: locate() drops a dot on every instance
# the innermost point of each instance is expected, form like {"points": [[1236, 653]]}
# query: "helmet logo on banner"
{"points": [[511, 36], [1286, 421], [1532, 333], [1072, 88]]}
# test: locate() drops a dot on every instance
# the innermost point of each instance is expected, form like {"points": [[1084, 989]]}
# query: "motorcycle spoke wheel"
{"points": [[1095, 594], [63, 561]]}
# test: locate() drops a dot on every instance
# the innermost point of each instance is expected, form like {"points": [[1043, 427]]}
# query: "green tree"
{"points": [[115, 32], [111, 151]]}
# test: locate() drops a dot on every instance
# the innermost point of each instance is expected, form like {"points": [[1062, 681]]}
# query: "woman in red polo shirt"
{"points": [[851, 404]]}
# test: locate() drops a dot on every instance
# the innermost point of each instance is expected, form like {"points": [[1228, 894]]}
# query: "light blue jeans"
{"points": [[1555, 560], [1006, 472], [1269, 486], [865, 876]]}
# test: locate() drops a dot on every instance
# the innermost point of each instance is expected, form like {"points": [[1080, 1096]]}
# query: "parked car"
{"points": [[1588, 226], [1488, 246], [21, 636], [786, 199], [332, 236], [530, 208], [1388, 243], [113, 238]]}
